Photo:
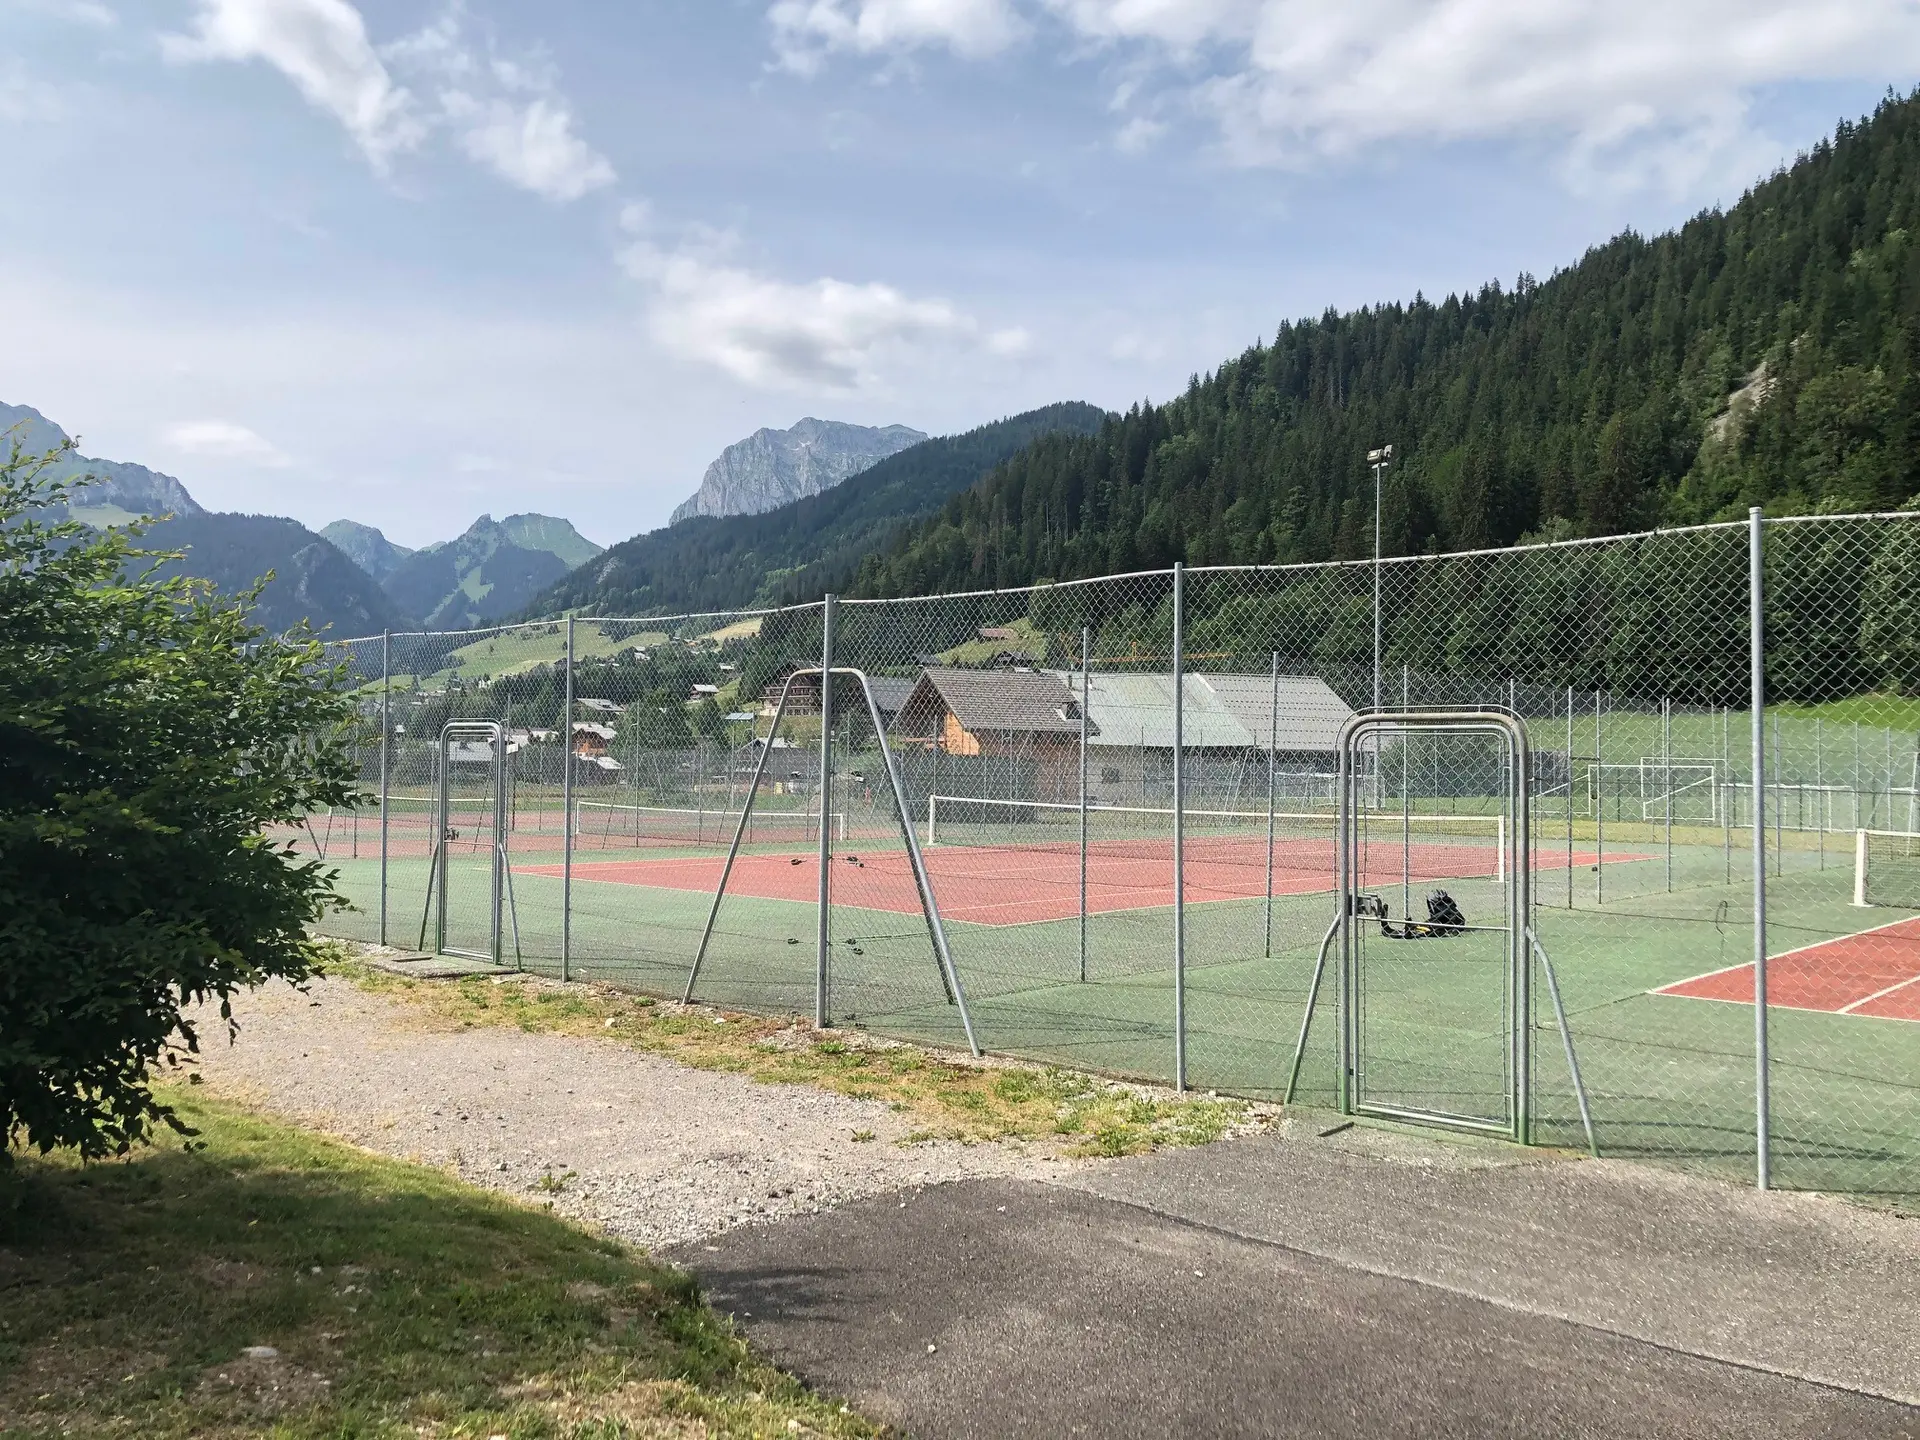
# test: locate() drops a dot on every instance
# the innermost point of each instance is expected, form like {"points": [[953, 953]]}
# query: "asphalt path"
{"points": [[1373, 1283]]}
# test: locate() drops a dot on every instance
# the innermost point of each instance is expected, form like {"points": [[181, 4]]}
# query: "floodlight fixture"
{"points": [[1379, 459]]}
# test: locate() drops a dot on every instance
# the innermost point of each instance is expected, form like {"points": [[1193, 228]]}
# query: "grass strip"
{"points": [[954, 1098], [394, 1299]]}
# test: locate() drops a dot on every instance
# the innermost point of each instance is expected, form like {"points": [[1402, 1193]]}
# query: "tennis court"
{"points": [[1653, 775], [1875, 973], [1020, 887]]}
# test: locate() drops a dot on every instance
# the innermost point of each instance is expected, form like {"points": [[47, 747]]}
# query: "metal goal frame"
{"points": [[502, 911], [1523, 945]]}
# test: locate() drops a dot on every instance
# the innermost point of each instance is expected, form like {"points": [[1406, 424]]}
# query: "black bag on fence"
{"points": [[1444, 917]]}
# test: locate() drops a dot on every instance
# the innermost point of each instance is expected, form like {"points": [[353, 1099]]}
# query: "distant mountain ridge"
{"points": [[313, 580], [486, 574], [771, 468], [801, 549], [347, 580], [366, 547], [120, 493]]}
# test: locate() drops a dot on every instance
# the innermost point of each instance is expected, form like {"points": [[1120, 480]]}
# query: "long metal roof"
{"points": [[1220, 711]]}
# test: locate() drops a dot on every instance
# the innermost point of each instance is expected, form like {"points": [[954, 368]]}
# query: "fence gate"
{"points": [[469, 908], [1433, 937]]}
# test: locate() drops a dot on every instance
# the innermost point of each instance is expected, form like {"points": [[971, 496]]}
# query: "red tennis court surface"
{"points": [[1020, 887], [1876, 973]]}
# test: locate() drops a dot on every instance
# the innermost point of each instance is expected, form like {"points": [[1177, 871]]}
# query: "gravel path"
{"points": [[657, 1153]]}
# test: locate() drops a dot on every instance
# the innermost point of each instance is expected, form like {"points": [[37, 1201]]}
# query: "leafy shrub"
{"points": [[150, 740]]}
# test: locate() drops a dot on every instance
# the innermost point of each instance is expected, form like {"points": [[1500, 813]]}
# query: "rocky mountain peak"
{"points": [[771, 468]]}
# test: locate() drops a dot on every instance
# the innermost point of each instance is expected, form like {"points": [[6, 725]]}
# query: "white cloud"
{"points": [[1010, 343], [1180, 25], [1647, 88], [1319, 80], [507, 116], [1138, 134], [322, 47], [805, 31], [531, 145], [824, 334], [224, 440]]}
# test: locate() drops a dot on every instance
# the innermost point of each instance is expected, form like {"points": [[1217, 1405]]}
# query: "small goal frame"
{"points": [[502, 911]]}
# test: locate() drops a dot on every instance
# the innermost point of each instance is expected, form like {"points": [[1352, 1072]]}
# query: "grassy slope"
{"points": [[402, 1302], [514, 652]]}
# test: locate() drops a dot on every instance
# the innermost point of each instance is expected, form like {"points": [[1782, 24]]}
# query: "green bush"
{"points": [[150, 738]]}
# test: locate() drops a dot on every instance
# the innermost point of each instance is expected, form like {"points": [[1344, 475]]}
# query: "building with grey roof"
{"points": [[1219, 712]]}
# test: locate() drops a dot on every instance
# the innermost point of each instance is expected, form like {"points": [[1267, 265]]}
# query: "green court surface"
{"points": [[1669, 1077]]}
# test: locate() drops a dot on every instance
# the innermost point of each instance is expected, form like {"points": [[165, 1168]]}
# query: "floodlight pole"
{"points": [[1379, 459]]}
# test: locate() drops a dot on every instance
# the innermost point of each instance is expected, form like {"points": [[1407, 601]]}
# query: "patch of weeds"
{"points": [[553, 1184], [393, 1300], [960, 1100], [1016, 1087], [862, 1137]]}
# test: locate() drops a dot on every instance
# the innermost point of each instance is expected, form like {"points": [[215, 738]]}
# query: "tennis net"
{"points": [[1886, 868], [599, 824], [1434, 845]]}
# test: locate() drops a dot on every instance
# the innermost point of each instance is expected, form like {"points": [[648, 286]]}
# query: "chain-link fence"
{"points": [[1099, 823]]}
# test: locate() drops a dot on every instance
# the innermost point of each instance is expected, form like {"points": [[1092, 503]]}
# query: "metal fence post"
{"points": [[1179, 833], [1273, 745], [1406, 810], [1599, 809], [1666, 783], [1756, 624], [566, 819], [386, 742], [1820, 787], [1569, 797], [820, 1005], [1086, 706], [1732, 791], [1779, 801]]}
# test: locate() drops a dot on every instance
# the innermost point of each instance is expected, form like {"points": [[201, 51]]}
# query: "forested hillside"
{"points": [[490, 571], [1766, 355], [805, 548]]}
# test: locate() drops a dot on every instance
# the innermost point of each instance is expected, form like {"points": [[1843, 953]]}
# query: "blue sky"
{"points": [[409, 260]]}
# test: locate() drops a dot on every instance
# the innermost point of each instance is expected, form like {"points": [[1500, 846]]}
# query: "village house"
{"points": [[1026, 716]]}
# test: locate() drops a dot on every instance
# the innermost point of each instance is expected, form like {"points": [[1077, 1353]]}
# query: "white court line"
{"points": [[1781, 955], [1868, 999]]}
